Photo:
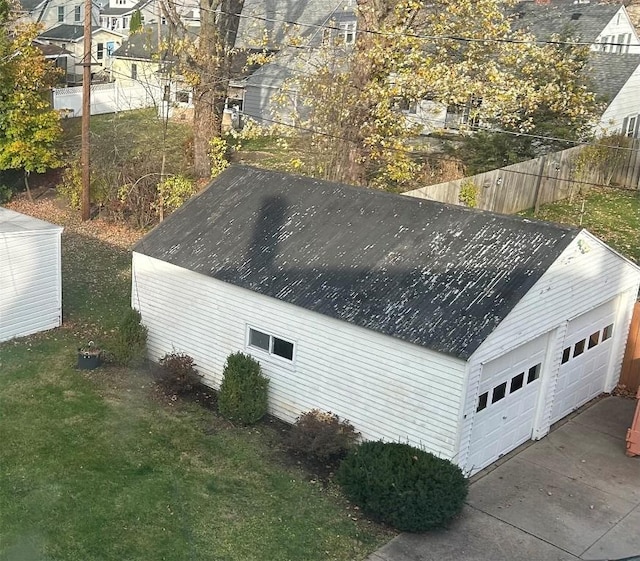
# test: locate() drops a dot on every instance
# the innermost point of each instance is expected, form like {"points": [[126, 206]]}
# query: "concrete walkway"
{"points": [[572, 495]]}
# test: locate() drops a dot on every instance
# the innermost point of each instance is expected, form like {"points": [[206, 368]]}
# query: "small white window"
{"points": [[77, 14], [348, 30], [271, 344], [631, 126]]}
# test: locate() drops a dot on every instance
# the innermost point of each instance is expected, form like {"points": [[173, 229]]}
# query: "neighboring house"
{"points": [[116, 14], [50, 13], [606, 27], [460, 331], [270, 93], [71, 38], [615, 78], [30, 275], [60, 58]]}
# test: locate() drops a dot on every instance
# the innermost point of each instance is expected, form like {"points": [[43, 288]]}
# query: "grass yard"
{"points": [[611, 214], [102, 466]]}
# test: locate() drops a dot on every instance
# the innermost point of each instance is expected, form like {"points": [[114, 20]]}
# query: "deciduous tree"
{"points": [[29, 128], [452, 52]]}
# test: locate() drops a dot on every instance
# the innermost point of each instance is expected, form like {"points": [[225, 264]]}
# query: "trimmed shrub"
{"points": [[179, 374], [129, 346], [410, 489], [243, 396], [322, 436]]}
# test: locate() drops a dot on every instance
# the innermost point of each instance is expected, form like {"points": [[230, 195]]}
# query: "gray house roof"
{"points": [[607, 73], [67, 32], [12, 222], [436, 275], [583, 22], [277, 19]]}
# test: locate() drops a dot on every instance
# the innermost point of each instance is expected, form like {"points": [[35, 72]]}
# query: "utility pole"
{"points": [[86, 112]]}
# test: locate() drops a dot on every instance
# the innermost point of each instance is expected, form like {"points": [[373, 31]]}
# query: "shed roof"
{"points": [[12, 222], [437, 275], [68, 32]]}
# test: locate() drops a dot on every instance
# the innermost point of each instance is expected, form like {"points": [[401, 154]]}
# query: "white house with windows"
{"points": [[461, 331], [51, 13], [71, 38]]}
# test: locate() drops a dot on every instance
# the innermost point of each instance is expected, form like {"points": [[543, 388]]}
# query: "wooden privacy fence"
{"points": [[533, 183], [630, 374]]}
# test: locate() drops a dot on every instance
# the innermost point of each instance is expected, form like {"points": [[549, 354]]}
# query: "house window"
{"points": [[77, 14], [125, 22], [163, 20], [594, 339], [517, 382], [182, 96], [607, 332], [631, 126], [60, 14], [134, 71], [482, 401], [110, 47], [100, 51], [499, 392], [348, 32], [271, 344], [566, 355], [534, 373], [578, 349]]}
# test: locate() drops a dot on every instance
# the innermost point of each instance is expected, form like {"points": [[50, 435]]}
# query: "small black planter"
{"points": [[88, 360]]}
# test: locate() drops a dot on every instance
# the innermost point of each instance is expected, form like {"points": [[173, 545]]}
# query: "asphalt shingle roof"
{"points": [[66, 32], [583, 22], [436, 275], [607, 73]]}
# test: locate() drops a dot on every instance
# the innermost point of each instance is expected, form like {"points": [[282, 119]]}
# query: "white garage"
{"points": [[30, 275], [460, 331]]}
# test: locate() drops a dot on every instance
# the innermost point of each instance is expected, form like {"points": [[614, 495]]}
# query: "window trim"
{"points": [[272, 338], [61, 14]]}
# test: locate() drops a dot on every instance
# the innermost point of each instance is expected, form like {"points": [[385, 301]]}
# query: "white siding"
{"points": [[30, 283], [626, 104], [586, 275], [387, 388], [619, 27]]}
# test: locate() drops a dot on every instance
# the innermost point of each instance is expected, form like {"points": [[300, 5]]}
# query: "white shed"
{"points": [[30, 275], [461, 331]]}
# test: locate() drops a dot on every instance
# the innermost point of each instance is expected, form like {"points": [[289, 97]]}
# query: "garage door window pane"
{"points": [[566, 354], [579, 348], [482, 401], [517, 382], [283, 348], [534, 373], [607, 332], [259, 339], [594, 339], [499, 392]]}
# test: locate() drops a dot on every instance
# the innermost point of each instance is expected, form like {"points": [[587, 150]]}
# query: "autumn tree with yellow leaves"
{"points": [[29, 127], [451, 52]]}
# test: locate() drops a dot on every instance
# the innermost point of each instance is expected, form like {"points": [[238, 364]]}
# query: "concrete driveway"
{"points": [[572, 495]]}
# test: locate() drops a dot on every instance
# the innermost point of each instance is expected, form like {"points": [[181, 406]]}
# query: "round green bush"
{"points": [[243, 395], [410, 489]]}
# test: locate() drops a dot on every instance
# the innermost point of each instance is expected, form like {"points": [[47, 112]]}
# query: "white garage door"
{"points": [[506, 407], [585, 360]]}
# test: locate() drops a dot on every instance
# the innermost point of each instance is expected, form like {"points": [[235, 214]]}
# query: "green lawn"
{"points": [[611, 214], [101, 465]]}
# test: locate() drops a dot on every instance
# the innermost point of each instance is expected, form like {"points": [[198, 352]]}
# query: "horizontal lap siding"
{"points": [[585, 276], [30, 283], [624, 105], [387, 388]]}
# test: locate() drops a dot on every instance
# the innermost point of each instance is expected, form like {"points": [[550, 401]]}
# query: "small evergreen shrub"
{"points": [[129, 346], [322, 436], [410, 489], [243, 396], [179, 374]]}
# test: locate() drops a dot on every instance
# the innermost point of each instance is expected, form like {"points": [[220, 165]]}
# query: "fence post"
{"points": [[543, 163]]}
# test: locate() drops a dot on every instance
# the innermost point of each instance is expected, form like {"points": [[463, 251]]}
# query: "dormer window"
{"points": [[348, 32]]}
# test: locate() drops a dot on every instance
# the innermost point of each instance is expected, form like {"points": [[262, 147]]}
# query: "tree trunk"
{"points": [[219, 21], [26, 184]]}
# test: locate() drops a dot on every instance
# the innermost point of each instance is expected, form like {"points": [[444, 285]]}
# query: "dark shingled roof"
{"points": [[609, 72], [583, 22], [66, 32], [437, 275]]}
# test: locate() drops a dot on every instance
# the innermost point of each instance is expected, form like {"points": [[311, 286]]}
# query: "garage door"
{"points": [[585, 360], [506, 406]]}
